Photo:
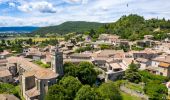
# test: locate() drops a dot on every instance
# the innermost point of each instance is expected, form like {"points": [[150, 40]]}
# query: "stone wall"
{"points": [[114, 75]]}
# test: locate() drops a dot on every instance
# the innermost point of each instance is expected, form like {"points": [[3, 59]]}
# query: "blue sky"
{"points": [[54, 12]]}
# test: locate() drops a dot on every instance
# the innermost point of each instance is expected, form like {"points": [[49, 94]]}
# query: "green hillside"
{"points": [[134, 27], [67, 27]]}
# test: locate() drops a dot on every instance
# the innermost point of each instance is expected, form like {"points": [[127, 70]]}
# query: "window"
{"points": [[161, 73]]}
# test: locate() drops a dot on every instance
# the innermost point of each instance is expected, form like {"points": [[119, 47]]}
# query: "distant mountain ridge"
{"points": [[70, 26], [18, 29]]}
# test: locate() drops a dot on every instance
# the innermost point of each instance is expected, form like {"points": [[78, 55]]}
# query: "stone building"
{"points": [[160, 66], [57, 62], [5, 76], [35, 80]]}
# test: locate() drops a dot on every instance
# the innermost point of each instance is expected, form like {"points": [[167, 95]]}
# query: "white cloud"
{"points": [[72, 1], [76, 1], [43, 7], [53, 12], [11, 4]]}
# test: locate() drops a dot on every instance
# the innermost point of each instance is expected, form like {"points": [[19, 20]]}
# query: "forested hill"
{"points": [[70, 26], [134, 27]]}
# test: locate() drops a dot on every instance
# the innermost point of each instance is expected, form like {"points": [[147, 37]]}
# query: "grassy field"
{"points": [[126, 96], [136, 87]]}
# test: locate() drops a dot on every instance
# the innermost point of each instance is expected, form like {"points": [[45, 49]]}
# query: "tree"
{"points": [[92, 33], [1, 49], [56, 92], [70, 69], [8, 89], [132, 73], [30, 41], [86, 73], [71, 85], [109, 91], [65, 90], [105, 46], [156, 90], [87, 93]]}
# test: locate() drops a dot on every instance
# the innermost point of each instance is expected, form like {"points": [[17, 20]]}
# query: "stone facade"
{"points": [[57, 62]]}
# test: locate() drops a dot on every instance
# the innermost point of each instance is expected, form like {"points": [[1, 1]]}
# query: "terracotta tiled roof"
{"points": [[80, 55], [108, 53], [162, 64], [38, 71], [28, 74], [141, 60], [8, 97], [3, 61], [4, 73], [77, 60], [45, 74], [115, 65], [163, 59], [32, 92]]}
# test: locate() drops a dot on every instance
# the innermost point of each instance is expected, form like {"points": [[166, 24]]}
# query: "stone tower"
{"points": [[57, 61]]}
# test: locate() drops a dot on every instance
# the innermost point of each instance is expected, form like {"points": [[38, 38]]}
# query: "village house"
{"points": [[143, 63], [99, 58], [144, 43], [3, 63], [6, 76], [148, 37], [164, 47], [114, 70], [78, 57], [160, 66], [33, 53], [108, 38], [123, 42], [147, 54], [5, 54]]}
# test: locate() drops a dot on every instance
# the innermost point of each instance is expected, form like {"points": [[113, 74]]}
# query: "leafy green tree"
{"points": [[70, 69], [71, 85], [82, 49], [64, 90], [56, 92], [156, 90], [105, 46], [86, 73], [109, 91], [92, 33], [8, 88], [147, 77], [132, 73], [30, 41], [87, 93], [1, 49], [134, 27]]}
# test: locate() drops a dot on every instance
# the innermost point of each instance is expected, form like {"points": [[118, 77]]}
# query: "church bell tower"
{"points": [[57, 62]]}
